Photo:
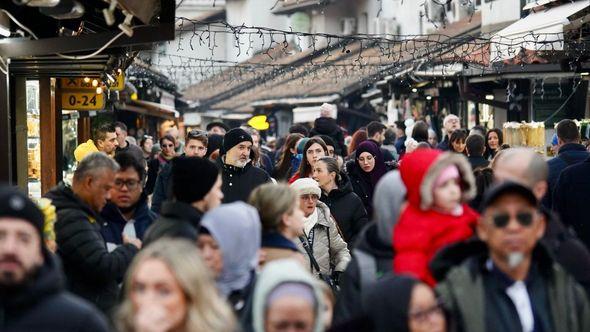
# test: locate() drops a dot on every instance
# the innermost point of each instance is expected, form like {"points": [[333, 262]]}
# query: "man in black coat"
{"points": [[196, 189], [326, 125], [528, 168], [92, 271], [32, 295], [376, 133], [240, 177], [127, 211], [475, 147], [570, 152]]}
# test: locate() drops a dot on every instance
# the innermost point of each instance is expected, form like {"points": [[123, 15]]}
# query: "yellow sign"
{"points": [[259, 122], [91, 83], [74, 83], [81, 100]]}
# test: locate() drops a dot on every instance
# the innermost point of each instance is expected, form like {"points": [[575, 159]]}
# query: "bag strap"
{"points": [[305, 244], [367, 268]]}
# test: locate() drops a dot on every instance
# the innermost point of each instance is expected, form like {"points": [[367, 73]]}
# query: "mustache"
{"points": [[11, 259]]}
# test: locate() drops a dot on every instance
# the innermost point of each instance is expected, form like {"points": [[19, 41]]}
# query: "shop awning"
{"points": [[539, 31], [149, 108]]}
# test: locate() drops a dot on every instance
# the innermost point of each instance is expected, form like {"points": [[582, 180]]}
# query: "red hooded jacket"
{"points": [[421, 231]]}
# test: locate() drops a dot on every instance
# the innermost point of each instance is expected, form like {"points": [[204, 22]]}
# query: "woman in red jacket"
{"points": [[439, 185]]}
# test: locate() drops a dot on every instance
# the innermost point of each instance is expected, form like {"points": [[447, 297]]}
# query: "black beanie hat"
{"points": [[235, 137], [192, 178], [15, 204]]}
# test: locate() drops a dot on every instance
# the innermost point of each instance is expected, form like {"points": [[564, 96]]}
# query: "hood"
{"points": [[62, 197], [389, 196], [237, 230], [370, 241], [420, 169], [389, 301], [49, 280], [326, 126], [84, 149], [276, 273]]}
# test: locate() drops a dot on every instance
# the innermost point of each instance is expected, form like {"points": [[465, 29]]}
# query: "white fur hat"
{"points": [[328, 110], [305, 186]]}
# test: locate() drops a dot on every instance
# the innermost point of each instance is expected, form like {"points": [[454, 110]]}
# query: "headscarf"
{"points": [[284, 272], [388, 198], [379, 169], [387, 303], [236, 229]]}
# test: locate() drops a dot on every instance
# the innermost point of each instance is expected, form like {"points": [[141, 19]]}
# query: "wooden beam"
{"points": [[6, 169], [48, 134], [84, 129]]}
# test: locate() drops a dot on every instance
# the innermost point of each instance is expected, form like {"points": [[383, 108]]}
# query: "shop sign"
{"points": [[81, 100], [78, 83]]}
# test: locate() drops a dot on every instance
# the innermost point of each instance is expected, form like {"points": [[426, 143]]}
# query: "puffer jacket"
{"points": [[347, 209], [328, 247], [92, 272], [329, 127]]}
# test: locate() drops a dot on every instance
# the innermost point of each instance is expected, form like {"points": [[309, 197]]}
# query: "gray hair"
{"points": [[93, 163], [534, 167]]}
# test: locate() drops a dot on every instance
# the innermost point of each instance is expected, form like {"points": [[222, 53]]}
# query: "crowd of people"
{"points": [[386, 229]]}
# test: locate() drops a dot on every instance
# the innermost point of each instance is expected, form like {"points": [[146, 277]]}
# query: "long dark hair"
{"points": [[489, 153], [457, 135], [284, 162], [305, 167]]}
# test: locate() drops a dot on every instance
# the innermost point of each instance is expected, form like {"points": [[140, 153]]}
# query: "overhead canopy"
{"points": [[539, 31]]}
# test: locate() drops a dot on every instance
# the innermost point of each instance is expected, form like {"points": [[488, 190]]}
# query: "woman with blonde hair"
{"points": [[169, 288], [281, 219]]}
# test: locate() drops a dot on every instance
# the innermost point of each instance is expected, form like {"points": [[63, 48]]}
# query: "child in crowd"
{"points": [[438, 184]]}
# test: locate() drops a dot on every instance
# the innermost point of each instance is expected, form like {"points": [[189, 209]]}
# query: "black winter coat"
{"points": [[162, 188], [44, 305], [92, 272], [238, 182], [348, 305], [329, 127], [347, 209], [178, 219], [361, 185]]}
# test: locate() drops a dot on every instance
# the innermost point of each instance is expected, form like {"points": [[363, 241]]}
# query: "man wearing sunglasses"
{"points": [[510, 282]]}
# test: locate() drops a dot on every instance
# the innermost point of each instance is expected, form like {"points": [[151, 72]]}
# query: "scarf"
{"points": [[310, 221]]}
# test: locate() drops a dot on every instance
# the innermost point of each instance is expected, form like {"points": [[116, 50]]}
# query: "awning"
{"points": [[540, 31], [236, 116], [297, 101], [149, 108], [444, 70]]}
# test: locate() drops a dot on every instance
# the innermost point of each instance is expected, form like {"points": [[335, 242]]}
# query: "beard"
{"points": [[242, 163], [13, 279]]}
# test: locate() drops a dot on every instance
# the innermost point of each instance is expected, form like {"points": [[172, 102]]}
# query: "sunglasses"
{"points": [[167, 145], [501, 220]]}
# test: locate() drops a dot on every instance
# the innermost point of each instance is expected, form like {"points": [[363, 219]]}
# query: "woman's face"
{"points": [[289, 313], [294, 222], [493, 140], [167, 148], [459, 146], [432, 139], [425, 314], [211, 253], [308, 203], [321, 175], [156, 292], [148, 145], [367, 161], [313, 153]]}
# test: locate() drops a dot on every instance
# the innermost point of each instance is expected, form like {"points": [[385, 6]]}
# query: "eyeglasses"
{"points": [[131, 184], [423, 316], [167, 145], [502, 220], [309, 197]]}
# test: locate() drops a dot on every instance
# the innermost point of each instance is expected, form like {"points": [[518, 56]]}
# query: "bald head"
{"points": [[524, 166]]}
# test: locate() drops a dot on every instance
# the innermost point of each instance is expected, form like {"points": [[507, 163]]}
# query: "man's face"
{"points": [[98, 189], [380, 137], [20, 251], [127, 188], [239, 155], [216, 130], [214, 196], [452, 124], [195, 148], [511, 225], [109, 144], [331, 151], [121, 136]]}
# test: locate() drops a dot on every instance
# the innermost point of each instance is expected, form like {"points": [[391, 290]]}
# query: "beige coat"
{"points": [[329, 249]]}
